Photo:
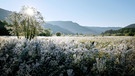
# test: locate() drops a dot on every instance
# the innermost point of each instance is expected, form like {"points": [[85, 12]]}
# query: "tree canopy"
{"points": [[27, 22], [121, 32]]}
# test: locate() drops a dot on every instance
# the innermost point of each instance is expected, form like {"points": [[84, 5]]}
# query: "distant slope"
{"points": [[126, 31], [99, 30], [72, 27], [76, 28], [56, 28], [66, 27], [3, 30], [130, 26], [4, 13]]}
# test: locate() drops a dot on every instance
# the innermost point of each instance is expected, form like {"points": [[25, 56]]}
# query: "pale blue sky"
{"points": [[85, 12]]}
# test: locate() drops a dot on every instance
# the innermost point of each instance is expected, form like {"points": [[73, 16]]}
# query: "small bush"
{"points": [[58, 34]]}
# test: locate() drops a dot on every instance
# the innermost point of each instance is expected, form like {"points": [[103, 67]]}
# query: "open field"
{"points": [[68, 56]]}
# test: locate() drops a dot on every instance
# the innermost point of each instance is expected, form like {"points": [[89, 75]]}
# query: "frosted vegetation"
{"points": [[67, 56]]}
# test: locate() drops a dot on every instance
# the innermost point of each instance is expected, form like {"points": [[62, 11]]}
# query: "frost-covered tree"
{"points": [[25, 23]]}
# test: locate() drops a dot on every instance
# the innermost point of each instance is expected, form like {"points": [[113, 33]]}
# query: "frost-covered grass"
{"points": [[67, 56]]}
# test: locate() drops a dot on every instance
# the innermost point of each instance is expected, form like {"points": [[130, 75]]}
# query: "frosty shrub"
{"points": [[67, 56]]}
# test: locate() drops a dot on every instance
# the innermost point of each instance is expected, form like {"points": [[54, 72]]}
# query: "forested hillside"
{"points": [[126, 31]]}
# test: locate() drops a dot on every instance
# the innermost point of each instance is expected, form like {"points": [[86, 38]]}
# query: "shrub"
{"points": [[46, 32], [59, 57], [58, 34]]}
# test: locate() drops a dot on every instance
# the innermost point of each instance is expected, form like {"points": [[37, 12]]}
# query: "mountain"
{"points": [[3, 30], [66, 27], [130, 26], [126, 31], [72, 27], [99, 30], [55, 29], [4, 13]]}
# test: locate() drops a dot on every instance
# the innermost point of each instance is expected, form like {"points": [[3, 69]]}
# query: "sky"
{"points": [[102, 13]]}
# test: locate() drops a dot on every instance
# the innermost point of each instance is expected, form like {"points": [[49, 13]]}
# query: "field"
{"points": [[68, 56]]}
